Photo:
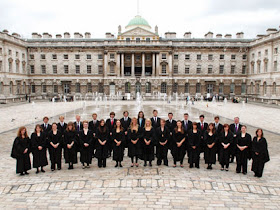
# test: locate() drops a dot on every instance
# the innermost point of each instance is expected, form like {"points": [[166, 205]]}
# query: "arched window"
{"points": [[44, 88], [11, 87], [221, 88], [127, 87], [252, 88], [78, 88], [264, 88], [187, 87], [148, 87], [175, 88], [24, 88], [274, 88], [18, 88], [243, 88], [257, 88], [55, 88], [163, 87], [232, 88], [89, 87], [198, 88], [100, 88]]}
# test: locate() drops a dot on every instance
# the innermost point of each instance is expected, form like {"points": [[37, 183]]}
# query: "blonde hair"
{"points": [[131, 124], [148, 120]]}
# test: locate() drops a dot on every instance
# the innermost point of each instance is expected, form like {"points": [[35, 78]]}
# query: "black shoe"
{"points": [[21, 174], [145, 164], [104, 166], [238, 172], [191, 165], [53, 169], [244, 173], [197, 166], [26, 173], [208, 167], [150, 164], [58, 168], [43, 170], [37, 172], [99, 166], [116, 165], [120, 165]]}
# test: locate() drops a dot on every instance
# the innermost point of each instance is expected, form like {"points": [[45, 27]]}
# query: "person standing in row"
{"points": [[235, 129], [38, 148], [61, 126], [21, 151], [125, 121], [225, 140], [110, 123], [102, 144], [86, 143], [118, 143], [93, 126], [243, 144], [162, 137], [135, 134], [141, 119], [148, 143], [178, 150], [218, 129], [259, 153], [55, 148], [202, 126], [78, 127], [194, 144], [210, 139], [155, 119], [70, 145], [46, 126], [170, 124]]}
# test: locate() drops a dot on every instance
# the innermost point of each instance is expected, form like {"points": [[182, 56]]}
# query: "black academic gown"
{"points": [[202, 141], [260, 147], [170, 125], [243, 156], [46, 129], [55, 153], [23, 160], [86, 152], [148, 150], [224, 154], [178, 153], [101, 151], [155, 124], [210, 153], [62, 128], [118, 151], [125, 125], [39, 156], [70, 155], [235, 132], [135, 150], [142, 125], [110, 128], [194, 141], [161, 137]]}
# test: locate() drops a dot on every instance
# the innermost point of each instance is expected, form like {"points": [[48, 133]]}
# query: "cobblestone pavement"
{"points": [[143, 187]]}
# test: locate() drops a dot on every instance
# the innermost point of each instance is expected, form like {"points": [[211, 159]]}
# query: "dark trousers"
{"points": [[136, 159], [258, 166], [53, 165], [181, 161], [164, 159], [101, 162], [242, 164], [225, 165]]}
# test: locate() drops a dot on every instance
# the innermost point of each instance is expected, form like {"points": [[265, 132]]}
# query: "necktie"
{"points": [[186, 124], [112, 122], [202, 126], [78, 125], [236, 128], [45, 126]]}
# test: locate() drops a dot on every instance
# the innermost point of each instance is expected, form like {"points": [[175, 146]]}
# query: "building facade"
{"points": [[139, 60]]}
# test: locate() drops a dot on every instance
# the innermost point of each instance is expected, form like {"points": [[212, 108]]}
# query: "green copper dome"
{"points": [[138, 21]]}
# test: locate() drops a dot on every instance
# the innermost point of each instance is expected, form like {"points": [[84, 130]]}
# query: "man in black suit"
{"points": [[78, 124], [218, 125], [61, 126], [187, 124], [170, 124], [202, 126], [93, 125], [155, 120], [125, 121], [235, 129], [46, 126], [110, 123]]}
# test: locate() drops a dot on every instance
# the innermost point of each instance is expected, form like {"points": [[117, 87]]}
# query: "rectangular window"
{"points": [[163, 71], [222, 57], [221, 69], [210, 69], [244, 69], [54, 56], [233, 57], [32, 69], [275, 65], [100, 69], [78, 88], [232, 88], [66, 69], [198, 57], [187, 57], [176, 57], [148, 57], [54, 67], [88, 56], [44, 88], [175, 69], [148, 39], [77, 56], [266, 52], [232, 69], [10, 52], [163, 56], [55, 88], [221, 88], [100, 56], [43, 69], [89, 88], [276, 50], [112, 69], [43, 56], [33, 90], [89, 69], [244, 57], [210, 57], [243, 88], [187, 69], [112, 56], [127, 39], [78, 69], [65, 56], [138, 57], [198, 69], [137, 40]]}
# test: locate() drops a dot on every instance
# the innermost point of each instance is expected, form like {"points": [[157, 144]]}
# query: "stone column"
{"points": [[143, 64], [132, 65], [105, 63], [118, 64], [122, 64], [170, 64], [154, 64], [158, 65]]}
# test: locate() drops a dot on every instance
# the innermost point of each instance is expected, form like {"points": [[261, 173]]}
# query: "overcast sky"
{"points": [[100, 16]]}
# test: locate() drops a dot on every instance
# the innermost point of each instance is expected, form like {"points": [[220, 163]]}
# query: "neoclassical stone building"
{"points": [[139, 60]]}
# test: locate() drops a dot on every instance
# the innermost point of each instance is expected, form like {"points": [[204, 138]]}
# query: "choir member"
{"points": [[170, 124], [55, 147], [218, 126], [202, 126], [39, 148], [61, 126], [162, 137], [187, 124], [46, 126], [155, 119], [93, 126], [135, 134], [178, 150], [194, 144], [86, 142], [243, 144], [141, 119], [126, 121], [70, 145], [78, 124], [225, 140], [110, 123], [102, 144], [148, 143], [118, 143], [259, 153], [235, 129], [21, 150], [210, 139]]}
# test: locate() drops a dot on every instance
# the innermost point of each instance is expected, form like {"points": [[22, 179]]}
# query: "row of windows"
{"points": [[275, 67], [138, 40], [10, 53], [275, 51], [66, 69], [210, 56], [66, 56]]}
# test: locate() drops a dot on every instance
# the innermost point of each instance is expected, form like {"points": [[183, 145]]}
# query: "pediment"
{"points": [[138, 31]]}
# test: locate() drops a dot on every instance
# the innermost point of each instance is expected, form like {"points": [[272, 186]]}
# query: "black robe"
{"points": [[70, 155], [194, 140], [101, 151], [118, 151], [161, 137], [259, 160], [148, 150], [235, 132], [86, 152], [142, 123], [170, 125], [135, 149], [46, 129], [244, 155], [155, 124], [203, 131], [39, 156], [178, 153], [55, 153], [23, 160], [210, 153], [224, 154], [62, 128]]}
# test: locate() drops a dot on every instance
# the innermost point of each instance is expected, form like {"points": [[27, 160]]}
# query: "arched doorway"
{"points": [[138, 87], [112, 89]]}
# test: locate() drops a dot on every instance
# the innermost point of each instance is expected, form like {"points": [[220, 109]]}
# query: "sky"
{"points": [[100, 16]]}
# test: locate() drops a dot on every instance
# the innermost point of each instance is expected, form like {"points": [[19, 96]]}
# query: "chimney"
{"points": [[219, 36], [46, 35], [228, 36], [16, 35], [76, 35], [58, 36], [209, 35], [260, 36], [271, 31], [240, 35], [170, 35], [39, 36], [67, 35], [34, 35], [188, 35], [109, 35], [5, 31], [87, 35]]}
